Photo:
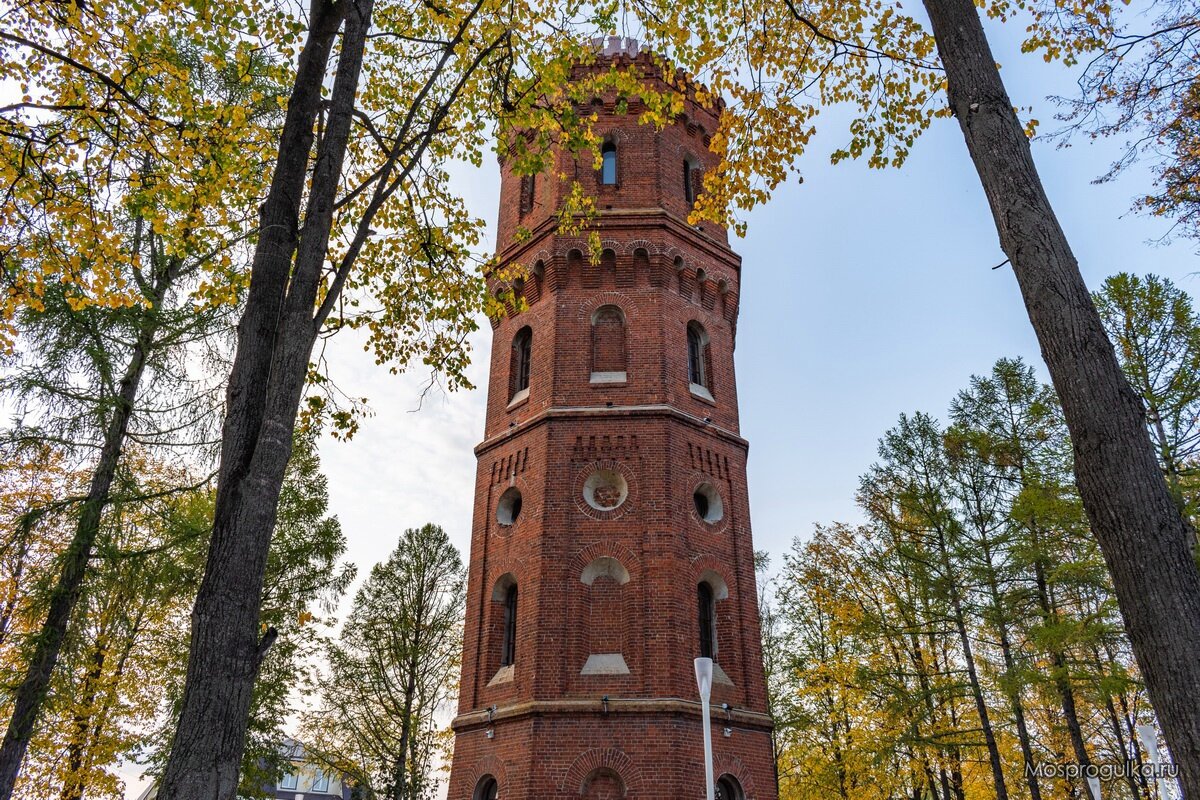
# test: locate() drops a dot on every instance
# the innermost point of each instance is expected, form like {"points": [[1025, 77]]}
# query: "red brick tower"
{"points": [[611, 543]]}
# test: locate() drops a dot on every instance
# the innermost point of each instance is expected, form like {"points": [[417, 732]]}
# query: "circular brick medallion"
{"points": [[602, 490]]}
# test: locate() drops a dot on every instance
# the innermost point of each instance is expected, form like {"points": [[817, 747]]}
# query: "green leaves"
{"points": [[1156, 333], [394, 669], [975, 535]]}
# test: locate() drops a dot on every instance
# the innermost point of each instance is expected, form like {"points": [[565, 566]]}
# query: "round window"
{"points": [[605, 489], [707, 501], [510, 506]]}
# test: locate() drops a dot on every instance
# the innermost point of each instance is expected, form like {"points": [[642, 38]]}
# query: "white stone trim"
{"points": [[606, 664]]}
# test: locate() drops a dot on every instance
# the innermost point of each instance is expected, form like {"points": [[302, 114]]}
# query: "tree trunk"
{"points": [[275, 339], [1018, 709], [1141, 532], [82, 723], [960, 624], [1010, 680], [1061, 674]]}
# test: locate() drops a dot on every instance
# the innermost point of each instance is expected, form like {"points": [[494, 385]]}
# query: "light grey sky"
{"points": [[864, 294]]}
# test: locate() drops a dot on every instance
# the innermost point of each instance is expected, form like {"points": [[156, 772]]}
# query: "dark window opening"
{"points": [[708, 620], [508, 654], [528, 193], [521, 358], [696, 347], [728, 788], [689, 190], [701, 502], [487, 789], [608, 260], [608, 164]]}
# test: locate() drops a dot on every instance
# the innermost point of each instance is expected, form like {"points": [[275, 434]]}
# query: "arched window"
{"points": [[522, 352], [608, 260], [697, 344], [508, 651], [486, 789], [608, 345], [728, 788], [528, 193], [608, 163], [707, 607]]}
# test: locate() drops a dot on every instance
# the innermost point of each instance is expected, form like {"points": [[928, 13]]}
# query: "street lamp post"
{"points": [[704, 670]]}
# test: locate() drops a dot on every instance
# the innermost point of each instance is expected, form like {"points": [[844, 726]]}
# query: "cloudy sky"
{"points": [[864, 294]]}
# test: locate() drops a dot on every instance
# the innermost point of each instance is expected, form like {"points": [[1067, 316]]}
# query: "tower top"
{"points": [[643, 169], [609, 46]]}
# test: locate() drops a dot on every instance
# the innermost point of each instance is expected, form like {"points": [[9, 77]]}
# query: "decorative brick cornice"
{"points": [[657, 706], [593, 412]]}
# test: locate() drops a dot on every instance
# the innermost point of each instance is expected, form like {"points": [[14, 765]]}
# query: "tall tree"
{"points": [[394, 670], [130, 164], [906, 492], [1145, 539], [123, 660], [305, 581], [363, 215], [1157, 336], [975, 600]]}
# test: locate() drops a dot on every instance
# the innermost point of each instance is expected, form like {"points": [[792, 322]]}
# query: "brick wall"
{"points": [[608, 593]]}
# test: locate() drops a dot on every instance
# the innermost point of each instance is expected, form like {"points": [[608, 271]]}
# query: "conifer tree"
{"points": [[394, 669]]}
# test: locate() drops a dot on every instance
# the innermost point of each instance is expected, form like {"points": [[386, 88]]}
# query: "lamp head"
{"points": [[704, 671]]}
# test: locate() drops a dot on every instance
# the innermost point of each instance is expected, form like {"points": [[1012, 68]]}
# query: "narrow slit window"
{"points": [[608, 161], [528, 193], [508, 652], [521, 357], [689, 191], [696, 344], [706, 604]]}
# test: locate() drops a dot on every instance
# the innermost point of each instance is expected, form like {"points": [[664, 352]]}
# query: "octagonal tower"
{"points": [[611, 539]]}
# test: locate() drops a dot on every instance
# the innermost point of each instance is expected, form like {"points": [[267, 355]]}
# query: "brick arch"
{"points": [[708, 563], [502, 566], [732, 765], [648, 246], [589, 553], [565, 244], [618, 299], [589, 761], [535, 283], [618, 133], [488, 765]]}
